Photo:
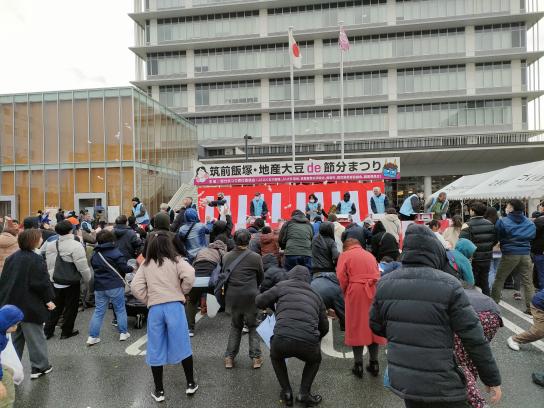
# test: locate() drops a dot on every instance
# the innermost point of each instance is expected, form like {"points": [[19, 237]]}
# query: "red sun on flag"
{"points": [[296, 50]]}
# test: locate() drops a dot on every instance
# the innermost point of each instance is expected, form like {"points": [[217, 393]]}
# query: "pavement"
{"points": [[114, 374]]}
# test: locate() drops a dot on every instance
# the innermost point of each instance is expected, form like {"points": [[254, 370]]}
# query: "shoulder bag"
{"points": [[127, 285], [224, 276], [65, 273]]}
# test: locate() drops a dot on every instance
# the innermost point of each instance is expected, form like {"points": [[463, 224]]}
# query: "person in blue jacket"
{"points": [[515, 233], [258, 207], [110, 267], [346, 206], [411, 206], [10, 317], [378, 202], [193, 233], [462, 254]]}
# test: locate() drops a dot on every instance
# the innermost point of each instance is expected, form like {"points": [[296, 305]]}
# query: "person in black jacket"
{"points": [[537, 249], [25, 283], [483, 234], [301, 323], [361, 234], [222, 230], [273, 272], [383, 243], [418, 308], [128, 242], [324, 281], [180, 217]]}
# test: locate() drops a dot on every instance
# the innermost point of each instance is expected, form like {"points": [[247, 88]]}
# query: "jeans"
{"points": [[327, 286], [481, 275], [191, 305], [418, 404], [521, 264], [293, 260], [282, 348], [539, 263], [235, 336], [67, 301], [31, 334], [103, 298]]}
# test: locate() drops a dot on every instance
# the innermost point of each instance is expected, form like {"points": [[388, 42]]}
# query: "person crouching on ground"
{"points": [[301, 323], [358, 273], [10, 317], [161, 283]]}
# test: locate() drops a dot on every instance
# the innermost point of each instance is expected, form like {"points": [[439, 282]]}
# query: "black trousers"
{"points": [[417, 404], [67, 302], [481, 275], [282, 348]]}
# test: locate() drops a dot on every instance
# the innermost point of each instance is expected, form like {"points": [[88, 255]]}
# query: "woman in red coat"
{"points": [[358, 273]]}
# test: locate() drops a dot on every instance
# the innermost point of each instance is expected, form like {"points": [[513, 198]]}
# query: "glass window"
{"points": [[500, 36]]}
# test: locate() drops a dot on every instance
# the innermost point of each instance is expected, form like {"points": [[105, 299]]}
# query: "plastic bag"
{"points": [[10, 359], [266, 329]]}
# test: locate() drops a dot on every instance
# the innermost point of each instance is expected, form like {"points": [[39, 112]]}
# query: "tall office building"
{"points": [[449, 86]]}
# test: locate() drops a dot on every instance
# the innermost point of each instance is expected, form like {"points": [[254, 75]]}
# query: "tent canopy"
{"points": [[524, 181]]}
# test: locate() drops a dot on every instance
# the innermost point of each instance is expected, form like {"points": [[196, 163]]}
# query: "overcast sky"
{"points": [[65, 44]]}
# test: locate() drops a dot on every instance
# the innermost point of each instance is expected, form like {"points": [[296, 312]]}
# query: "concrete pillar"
{"points": [[190, 63], [263, 23], [318, 54], [392, 119], [392, 84], [318, 88], [470, 40], [428, 186], [265, 127], [516, 75], [517, 116], [153, 31], [191, 102], [471, 78], [265, 93], [155, 92], [391, 12]]}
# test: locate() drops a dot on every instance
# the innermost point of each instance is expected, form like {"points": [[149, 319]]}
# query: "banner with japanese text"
{"points": [[382, 168]]}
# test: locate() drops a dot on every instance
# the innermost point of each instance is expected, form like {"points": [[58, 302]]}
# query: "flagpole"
{"points": [[341, 24], [291, 67]]}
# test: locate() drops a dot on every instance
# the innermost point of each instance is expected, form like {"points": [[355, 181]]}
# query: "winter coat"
{"points": [[273, 273], [464, 250], [255, 243], [412, 205], [515, 233], [483, 234], [384, 244], [25, 283], [269, 244], [208, 258], [392, 224], [537, 246], [296, 236], [243, 284], [104, 277], [253, 209], [357, 232], [170, 282], [418, 308], [379, 204], [324, 250], [358, 273], [180, 218], [538, 299], [128, 241], [8, 246], [444, 207], [300, 312], [70, 251], [338, 231], [193, 234]]}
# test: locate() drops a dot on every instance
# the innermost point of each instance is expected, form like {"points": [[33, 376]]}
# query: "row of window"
{"points": [[409, 117], [316, 16], [409, 80], [392, 45]]}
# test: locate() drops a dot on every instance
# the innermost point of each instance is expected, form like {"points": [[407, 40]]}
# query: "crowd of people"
{"points": [[424, 294]]}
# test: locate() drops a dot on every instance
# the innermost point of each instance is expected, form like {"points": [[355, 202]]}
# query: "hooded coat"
{"points": [[269, 244], [222, 230], [418, 308], [324, 250], [358, 273], [482, 233], [464, 250], [296, 236], [104, 277], [9, 316], [8, 246], [128, 241], [208, 258], [515, 233], [162, 224], [193, 234], [392, 224], [300, 312], [273, 273]]}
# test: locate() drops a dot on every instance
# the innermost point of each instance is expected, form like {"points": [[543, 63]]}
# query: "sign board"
{"points": [[300, 172]]}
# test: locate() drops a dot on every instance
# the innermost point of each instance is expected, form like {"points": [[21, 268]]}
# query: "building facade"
{"points": [[94, 147], [450, 86]]}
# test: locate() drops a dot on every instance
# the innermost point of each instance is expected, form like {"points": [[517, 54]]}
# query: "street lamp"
{"points": [[246, 138]]}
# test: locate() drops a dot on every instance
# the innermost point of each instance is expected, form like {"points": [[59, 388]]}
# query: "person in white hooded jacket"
{"points": [[392, 224]]}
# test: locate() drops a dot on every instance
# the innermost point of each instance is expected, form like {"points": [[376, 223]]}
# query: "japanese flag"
{"points": [[294, 52]]}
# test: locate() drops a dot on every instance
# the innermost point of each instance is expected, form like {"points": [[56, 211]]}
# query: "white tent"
{"points": [[525, 181]]}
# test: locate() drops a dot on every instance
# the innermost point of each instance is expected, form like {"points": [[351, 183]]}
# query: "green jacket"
{"points": [[296, 236]]}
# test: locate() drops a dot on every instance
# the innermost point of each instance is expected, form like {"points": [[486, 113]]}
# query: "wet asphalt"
{"points": [[114, 374]]}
